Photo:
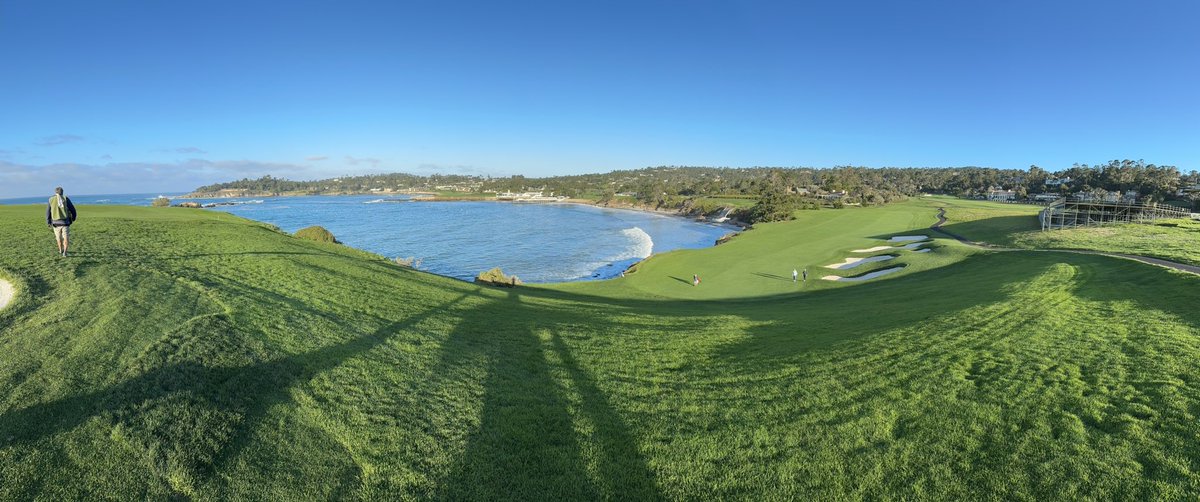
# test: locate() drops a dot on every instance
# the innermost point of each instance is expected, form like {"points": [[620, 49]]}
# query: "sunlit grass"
{"points": [[192, 353]]}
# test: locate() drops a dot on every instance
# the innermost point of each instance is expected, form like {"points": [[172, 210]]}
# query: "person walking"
{"points": [[805, 279], [695, 280], [795, 274], [60, 214]]}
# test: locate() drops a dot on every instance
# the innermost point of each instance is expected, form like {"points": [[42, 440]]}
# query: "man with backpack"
{"points": [[60, 214]]}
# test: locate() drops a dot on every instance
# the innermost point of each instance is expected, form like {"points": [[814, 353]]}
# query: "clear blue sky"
{"points": [[112, 96]]}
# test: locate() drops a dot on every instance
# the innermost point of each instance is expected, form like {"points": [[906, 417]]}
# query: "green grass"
{"points": [[1017, 226], [760, 261], [192, 353]]}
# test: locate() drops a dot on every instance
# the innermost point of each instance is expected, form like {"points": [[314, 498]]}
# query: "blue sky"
{"points": [[152, 96]]}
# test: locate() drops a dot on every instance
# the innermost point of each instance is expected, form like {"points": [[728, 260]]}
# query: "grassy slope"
{"points": [[1017, 226], [191, 352], [760, 262]]}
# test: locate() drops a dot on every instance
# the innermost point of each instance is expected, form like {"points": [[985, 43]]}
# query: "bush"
{"points": [[780, 206], [316, 233], [497, 278], [161, 202]]}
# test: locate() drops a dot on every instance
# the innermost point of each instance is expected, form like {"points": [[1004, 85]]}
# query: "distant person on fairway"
{"points": [[805, 279], [795, 274], [695, 280], [60, 214]]}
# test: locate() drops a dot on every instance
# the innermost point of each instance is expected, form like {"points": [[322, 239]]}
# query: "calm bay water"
{"points": [[536, 242]]}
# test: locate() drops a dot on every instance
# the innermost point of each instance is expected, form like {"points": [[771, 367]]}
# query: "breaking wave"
{"points": [[640, 245]]}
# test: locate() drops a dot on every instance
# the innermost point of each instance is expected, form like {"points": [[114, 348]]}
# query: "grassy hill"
{"points": [[196, 354], [1016, 225]]}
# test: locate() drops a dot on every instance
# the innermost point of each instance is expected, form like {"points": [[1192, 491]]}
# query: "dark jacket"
{"points": [[70, 211]]}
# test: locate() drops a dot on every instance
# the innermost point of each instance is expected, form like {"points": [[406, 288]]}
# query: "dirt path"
{"points": [[1183, 267], [6, 293]]}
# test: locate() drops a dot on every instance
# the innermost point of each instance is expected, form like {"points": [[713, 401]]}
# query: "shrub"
{"points": [[161, 202], [497, 278], [316, 233]]}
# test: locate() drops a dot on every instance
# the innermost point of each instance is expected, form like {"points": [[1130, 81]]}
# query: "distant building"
{"points": [[1001, 195], [1057, 182]]}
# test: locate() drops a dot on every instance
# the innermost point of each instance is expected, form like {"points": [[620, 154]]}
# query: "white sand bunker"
{"points": [[6, 293], [884, 248], [908, 238], [854, 262], [863, 277]]}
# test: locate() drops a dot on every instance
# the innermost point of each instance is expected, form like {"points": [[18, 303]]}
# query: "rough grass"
{"points": [[1017, 226], [195, 354]]}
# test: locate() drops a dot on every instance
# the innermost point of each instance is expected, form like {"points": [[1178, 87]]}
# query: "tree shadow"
{"points": [[161, 401]]}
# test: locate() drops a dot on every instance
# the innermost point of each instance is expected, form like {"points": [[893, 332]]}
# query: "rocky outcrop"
{"points": [[495, 277]]}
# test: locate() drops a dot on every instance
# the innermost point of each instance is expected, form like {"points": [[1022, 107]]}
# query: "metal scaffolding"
{"points": [[1071, 213]]}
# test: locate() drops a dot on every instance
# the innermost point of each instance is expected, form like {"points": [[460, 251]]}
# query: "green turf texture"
{"points": [[186, 353], [1016, 225]]}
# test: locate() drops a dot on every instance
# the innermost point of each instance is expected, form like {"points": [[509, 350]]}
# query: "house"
{"points": [[1045, 197], [1001, 195], [1058, 182]]}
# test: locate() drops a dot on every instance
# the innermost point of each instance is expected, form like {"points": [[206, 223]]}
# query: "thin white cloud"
{"points": [[59, 139], [183, 149], [17, 180], [354, 161]]}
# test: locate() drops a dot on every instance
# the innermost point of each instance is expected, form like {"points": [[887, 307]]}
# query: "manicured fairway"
{"points": [[190, 353], [760, 262]]}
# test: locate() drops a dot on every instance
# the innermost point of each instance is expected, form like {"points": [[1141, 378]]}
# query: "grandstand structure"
{"points": [[1068, 212]]}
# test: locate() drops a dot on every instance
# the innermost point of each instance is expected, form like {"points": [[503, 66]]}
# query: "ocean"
{"points": [[534, 241]]}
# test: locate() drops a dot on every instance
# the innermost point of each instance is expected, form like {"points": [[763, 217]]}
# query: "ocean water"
{"points": [[536, 242]]}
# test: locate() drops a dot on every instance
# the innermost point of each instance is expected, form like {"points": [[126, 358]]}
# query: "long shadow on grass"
{"points": [[529, 444], [188, 415]]}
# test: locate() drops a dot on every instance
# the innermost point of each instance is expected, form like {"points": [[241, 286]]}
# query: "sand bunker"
{"points": [[854, 262], [6, 293], [885, 248], [908, 238], [926, 250], [863, 277]]}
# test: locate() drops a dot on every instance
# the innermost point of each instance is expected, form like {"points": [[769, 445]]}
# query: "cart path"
{"points": [[1183, 267]]}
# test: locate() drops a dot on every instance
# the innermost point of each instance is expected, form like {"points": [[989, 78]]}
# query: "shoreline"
{"points": [[729, 228], [740, 226]]}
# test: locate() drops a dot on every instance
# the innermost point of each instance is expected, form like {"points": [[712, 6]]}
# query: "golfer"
{"points": [[795, 274], [805, 279], [60, 214]]}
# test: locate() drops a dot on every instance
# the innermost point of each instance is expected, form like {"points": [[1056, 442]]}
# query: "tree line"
{"points": [[777, 190]]}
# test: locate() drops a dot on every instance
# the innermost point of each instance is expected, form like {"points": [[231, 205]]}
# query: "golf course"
{"points": [[186, 353]]}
